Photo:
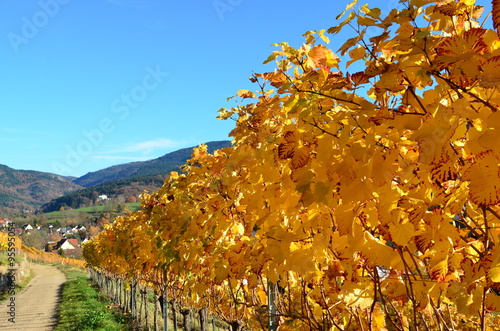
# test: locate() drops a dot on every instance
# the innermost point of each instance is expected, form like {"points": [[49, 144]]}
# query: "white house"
{"points": [[64, 231], [68, 244]]}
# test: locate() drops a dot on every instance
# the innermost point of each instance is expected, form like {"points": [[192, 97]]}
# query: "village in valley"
{"points": [[65, 231]]}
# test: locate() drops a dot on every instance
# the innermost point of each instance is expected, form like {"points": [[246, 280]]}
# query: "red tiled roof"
{"points": [[73, 242]]}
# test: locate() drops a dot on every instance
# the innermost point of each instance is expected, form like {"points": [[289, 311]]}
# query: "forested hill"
{"points": [[26, 190], [90, 196], [126, 179], [162, 165]]}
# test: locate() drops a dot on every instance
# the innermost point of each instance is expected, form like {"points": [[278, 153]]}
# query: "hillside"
{"points": [[118, 188], [126, 179], [162, 165], [26, 190]]}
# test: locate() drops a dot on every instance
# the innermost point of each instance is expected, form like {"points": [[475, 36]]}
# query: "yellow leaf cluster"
{"points": [[368, 207]]}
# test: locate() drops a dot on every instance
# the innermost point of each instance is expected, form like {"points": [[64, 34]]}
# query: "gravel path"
{"points": [[36, 306]]}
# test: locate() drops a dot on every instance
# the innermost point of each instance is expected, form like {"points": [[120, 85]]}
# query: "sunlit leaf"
{"points": [[484, 179]]}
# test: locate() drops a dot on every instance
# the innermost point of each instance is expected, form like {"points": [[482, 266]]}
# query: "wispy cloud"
{"points": [[147, 147]]}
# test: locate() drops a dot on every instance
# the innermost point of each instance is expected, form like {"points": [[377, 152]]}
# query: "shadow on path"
{"points": [[36, 306]]}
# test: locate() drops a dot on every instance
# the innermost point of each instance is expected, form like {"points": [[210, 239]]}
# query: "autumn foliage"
{"points": [[4, 242], [367, 187], [33, 253], [41, 256]]}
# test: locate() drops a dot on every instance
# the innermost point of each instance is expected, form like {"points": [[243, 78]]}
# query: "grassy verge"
{"points": [[92, 212], [82, 307]]}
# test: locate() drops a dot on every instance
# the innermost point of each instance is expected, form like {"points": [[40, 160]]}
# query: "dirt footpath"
{"points": [[36, 306]]}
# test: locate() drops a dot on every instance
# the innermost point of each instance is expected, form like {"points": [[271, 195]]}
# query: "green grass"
{"points": [[92, 211], [4, 258], [82, 307]]}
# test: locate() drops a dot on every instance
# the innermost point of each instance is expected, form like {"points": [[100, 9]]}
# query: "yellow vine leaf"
{"points": [[238, 229], [392, 80], [262, 297], [379, 318], [373, 13], [356, 54], [246, 94], [424, 241], [492, 302], [350, 43], [394, 289], [420, 3], [494, 271], [491, 134], [366, 21], [490, 76], [293, 148], [422, 292], [439, 271], [358, 295], [461, 47], [345, 217], [484, 179], [402, 233], [468, 2], [348, 7], [378, 253], [302, 261]]}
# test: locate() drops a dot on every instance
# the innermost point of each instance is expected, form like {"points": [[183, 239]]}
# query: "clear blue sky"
{"points": [[93, 83]]}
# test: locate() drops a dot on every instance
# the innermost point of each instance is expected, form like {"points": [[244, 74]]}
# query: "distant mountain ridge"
{"points": [[27, 191], [162, 165], [126, 179], [90, 195]]}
